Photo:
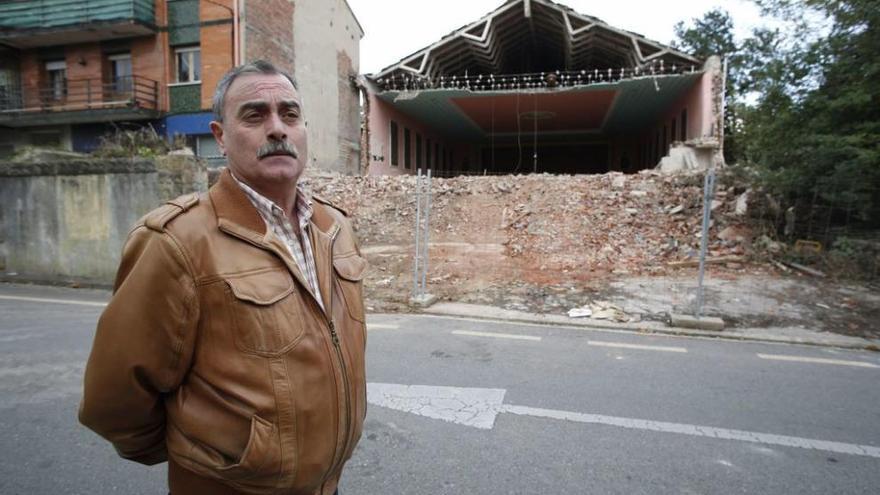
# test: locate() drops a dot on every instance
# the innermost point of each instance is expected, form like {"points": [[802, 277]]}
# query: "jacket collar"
{"points": [[232, 206], [234, 209], [237, 216]]}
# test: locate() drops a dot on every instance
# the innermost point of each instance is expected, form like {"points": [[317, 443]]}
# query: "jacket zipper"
{"points": [[334, 336]]}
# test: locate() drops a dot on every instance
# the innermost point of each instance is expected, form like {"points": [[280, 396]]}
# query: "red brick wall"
{"points": [[31, 76], [150, 56], [148, 61], [269, 32], [217, 47], [85, 72]]}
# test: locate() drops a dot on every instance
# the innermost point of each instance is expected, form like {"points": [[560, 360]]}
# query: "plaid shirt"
{"points": [[275, 219]]}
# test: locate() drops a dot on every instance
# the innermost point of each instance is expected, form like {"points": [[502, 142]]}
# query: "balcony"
{"points": [[35, 23], [81, 101]]}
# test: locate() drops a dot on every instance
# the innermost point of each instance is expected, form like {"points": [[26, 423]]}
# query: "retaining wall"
{"points": [[66, 221]]}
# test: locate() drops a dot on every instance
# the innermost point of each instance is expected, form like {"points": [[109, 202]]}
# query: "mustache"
{"points": [[277, 147]]}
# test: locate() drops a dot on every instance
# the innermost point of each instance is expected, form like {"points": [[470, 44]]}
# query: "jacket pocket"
{"points": [[261, 456], [260, 461], [350, 271], [265, 312]]}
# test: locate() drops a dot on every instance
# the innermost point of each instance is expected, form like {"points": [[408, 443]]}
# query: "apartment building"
{"points": [[71, 70]]}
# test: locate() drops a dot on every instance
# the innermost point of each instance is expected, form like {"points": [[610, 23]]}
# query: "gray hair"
{"points": [[255, 67]]}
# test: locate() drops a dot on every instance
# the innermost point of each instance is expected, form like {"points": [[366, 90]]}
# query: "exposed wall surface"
{"points": [[267, 32], [68, 221], [326, 43]]}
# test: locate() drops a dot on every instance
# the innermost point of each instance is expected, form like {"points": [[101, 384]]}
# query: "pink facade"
{"points": [[382, 116], [695, 108]]}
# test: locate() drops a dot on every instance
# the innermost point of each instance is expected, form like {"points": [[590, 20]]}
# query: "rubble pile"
{"points": [[541, 230]]}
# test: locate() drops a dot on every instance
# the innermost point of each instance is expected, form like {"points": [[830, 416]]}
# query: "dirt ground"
{"points": [[547, 244]]}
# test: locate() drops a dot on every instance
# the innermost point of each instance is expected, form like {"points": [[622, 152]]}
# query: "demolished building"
{"points": [[536, 87]]}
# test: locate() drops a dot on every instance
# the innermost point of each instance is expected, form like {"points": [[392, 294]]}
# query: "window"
{"points": [[189, 65], [394, 144], [418, 151], [684, 124], [407, 149], [56, 75], [120, 72], [8, 98]]}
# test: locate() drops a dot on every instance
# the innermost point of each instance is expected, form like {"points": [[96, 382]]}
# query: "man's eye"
{"points": [[291, 115]]}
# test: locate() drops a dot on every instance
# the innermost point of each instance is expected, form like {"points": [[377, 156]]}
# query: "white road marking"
{"points": [[699, 431], [804, 359], [636, 346], [382, 326], [478, 407], [475, 407], [496, 335], [54, 301], [15, 337]]}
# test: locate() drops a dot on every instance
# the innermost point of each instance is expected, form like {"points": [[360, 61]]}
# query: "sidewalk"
{"points": [[786, 335]]}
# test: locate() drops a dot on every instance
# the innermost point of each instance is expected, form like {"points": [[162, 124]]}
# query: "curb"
{"points": [[645, 328]]}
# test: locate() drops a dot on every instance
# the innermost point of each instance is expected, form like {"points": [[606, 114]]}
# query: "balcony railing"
{"points": [[46, 14], [130, 92]]}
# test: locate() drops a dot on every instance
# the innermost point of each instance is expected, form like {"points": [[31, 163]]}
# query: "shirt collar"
{"points": [[269, 209]]}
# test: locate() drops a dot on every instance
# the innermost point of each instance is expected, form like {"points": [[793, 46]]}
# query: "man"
{"points": [[234, 343]]}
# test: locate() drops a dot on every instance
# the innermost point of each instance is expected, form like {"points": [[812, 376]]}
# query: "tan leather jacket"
{"points": [[214, 355]]}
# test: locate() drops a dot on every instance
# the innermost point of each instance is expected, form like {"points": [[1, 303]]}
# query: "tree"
{"points": [[816, 128], [804, 102]]}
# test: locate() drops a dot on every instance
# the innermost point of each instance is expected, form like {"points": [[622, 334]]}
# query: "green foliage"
{"points": [[805, 104], [855, 258]]}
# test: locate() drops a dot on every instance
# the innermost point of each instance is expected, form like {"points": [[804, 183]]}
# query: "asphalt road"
{"points": [[474, 407]]}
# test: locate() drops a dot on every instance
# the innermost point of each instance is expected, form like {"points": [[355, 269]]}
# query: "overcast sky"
{"points": [[397, 28]]}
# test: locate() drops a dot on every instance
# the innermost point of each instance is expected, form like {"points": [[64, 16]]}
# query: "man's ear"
{"points": [[217, 131]]}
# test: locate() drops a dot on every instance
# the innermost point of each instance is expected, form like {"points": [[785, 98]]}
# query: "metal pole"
{"points": [[708, 190], [418, 232], [427, 233]]}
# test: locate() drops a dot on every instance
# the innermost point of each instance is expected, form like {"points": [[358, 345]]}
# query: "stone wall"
{"points": [[66, 221]]}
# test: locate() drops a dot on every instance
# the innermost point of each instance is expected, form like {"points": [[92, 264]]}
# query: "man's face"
{"points": [[263, 133]]}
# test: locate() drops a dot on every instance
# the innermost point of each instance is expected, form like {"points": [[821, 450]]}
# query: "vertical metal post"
{"points": [[708, 195], [418, 232], [427, 233]]}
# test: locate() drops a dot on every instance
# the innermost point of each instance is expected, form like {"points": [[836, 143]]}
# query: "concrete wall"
{"points": [[67, 221], [326, 43]]}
